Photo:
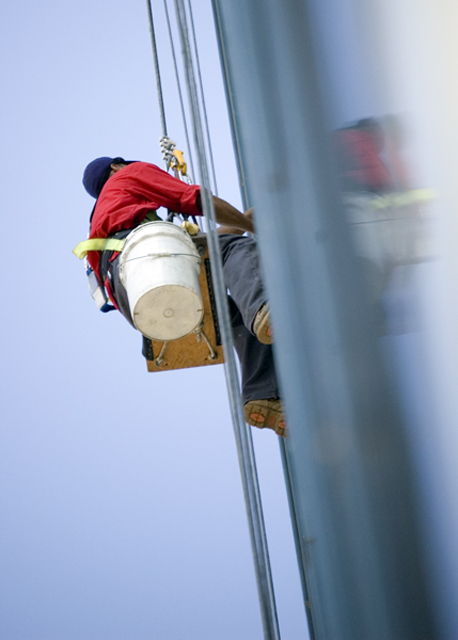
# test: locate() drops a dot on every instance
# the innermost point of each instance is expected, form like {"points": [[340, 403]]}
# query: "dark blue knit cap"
{"points": [[97, 173]]}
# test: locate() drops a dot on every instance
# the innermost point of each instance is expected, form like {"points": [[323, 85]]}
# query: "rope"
{"points": [[156, 68], [242, 434]]}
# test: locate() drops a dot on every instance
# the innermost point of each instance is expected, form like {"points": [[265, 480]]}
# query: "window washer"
{"points": [[127, 193]]}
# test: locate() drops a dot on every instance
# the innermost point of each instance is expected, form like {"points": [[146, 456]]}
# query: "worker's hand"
{"points": [[249, 213]]}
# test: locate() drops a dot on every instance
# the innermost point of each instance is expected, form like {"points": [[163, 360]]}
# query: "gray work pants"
{"points": [[243, 280]]}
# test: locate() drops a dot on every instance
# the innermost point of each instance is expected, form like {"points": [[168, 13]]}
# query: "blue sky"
{"points": [[121, 502]]}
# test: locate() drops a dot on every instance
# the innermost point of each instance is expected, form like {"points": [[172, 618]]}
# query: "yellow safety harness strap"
{"points": [[98, 244], [109, 244], [414, 196]]}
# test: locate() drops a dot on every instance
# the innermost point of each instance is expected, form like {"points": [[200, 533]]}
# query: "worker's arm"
{"points": [[248, 215], [230, 217]]}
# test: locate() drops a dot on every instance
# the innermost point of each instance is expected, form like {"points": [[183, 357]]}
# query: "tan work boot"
{"points": [[261, 325], [266, 414]]}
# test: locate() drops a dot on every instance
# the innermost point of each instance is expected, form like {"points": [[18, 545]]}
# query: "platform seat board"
{"points": [[187, 352]]}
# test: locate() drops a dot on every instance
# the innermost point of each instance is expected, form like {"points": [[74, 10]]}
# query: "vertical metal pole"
{"points": [[298, 541], [242, 434], [246, 202]]}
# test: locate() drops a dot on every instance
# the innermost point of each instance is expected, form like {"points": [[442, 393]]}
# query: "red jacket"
{"points": [[130, 194], [360, 164]]}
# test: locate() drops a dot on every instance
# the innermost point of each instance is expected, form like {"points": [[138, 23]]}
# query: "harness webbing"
{"points": [[97, 244], [109, 244], [403, 198]]}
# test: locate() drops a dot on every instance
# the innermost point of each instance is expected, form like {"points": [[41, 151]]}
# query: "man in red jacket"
{"points": [[127, 193]]}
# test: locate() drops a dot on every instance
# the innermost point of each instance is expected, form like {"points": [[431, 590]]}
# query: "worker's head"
{"points": [[98, 171]]}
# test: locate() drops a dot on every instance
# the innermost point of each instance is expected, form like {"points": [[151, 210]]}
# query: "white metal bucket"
{"points": [[159, 268]]}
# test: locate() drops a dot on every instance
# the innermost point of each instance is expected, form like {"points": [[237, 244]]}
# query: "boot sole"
{"points": [[266, 414]]}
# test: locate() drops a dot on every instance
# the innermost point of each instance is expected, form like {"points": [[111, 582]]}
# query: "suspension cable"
{"points": [[202, 98], [156, 68], [180, 94], [243, 436]]}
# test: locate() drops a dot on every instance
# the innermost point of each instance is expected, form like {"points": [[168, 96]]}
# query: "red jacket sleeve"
{"points": [[133, 191]]}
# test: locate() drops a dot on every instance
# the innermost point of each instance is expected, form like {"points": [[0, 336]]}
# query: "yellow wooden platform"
{"points": [[190, 351]]}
